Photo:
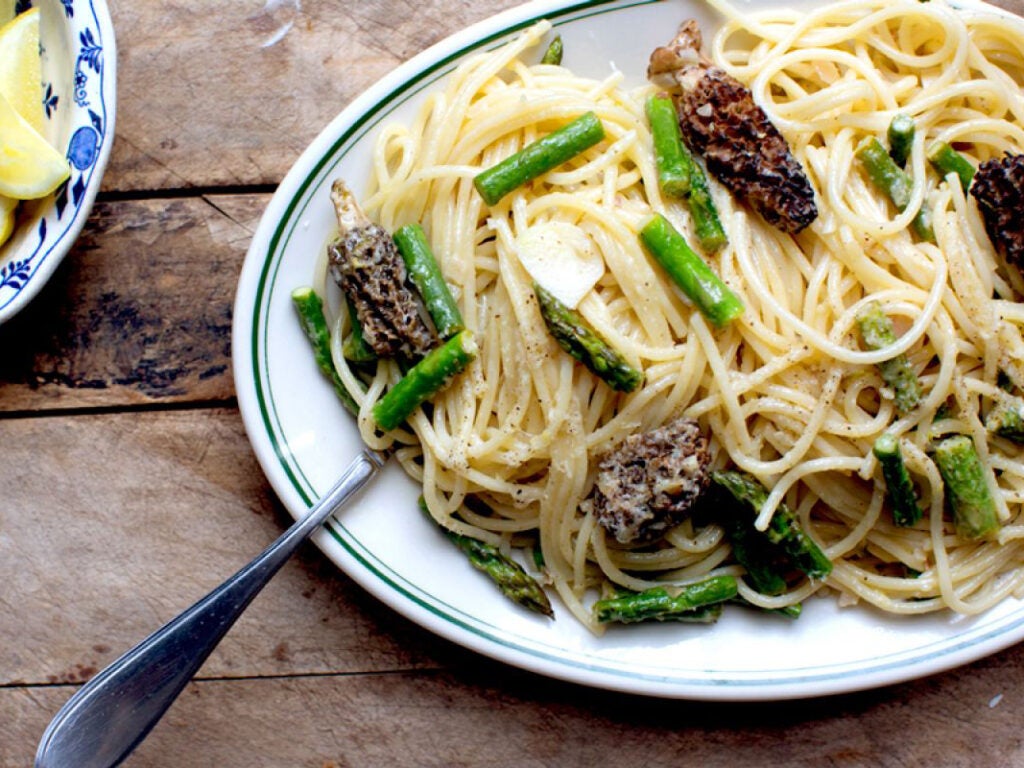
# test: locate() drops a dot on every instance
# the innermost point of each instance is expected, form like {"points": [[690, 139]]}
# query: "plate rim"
{"points": [[250, 308]]}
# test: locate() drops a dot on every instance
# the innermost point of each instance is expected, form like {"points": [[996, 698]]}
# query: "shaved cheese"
{"points": [[562, 259]]}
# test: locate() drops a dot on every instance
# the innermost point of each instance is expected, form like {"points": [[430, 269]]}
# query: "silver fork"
{"points": [[110, 715]]}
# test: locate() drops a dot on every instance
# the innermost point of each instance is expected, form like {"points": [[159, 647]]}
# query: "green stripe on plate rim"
{"points": [[454, 616]]}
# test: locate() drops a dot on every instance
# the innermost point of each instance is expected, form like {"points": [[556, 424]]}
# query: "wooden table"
{"points": [[129, 487]]}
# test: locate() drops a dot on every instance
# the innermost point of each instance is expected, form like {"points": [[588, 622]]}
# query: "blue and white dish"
{"points": [[79, 65]]}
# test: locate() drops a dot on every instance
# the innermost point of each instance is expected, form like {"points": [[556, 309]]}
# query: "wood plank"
{"points": [[487, 714], [1013, 6], [139, 312], [241, 105], [229, 104], [111, 525]]}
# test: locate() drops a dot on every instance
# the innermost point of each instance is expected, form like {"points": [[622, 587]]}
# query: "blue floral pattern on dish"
{"points": [[78, 97]]}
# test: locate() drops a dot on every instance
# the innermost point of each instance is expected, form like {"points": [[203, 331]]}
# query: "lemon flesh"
{"points": [[21, 75], [29, 166], [8, 207]]}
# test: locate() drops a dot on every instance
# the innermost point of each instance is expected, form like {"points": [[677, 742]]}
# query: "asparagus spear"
{"points": [[1006, 419], [974, 509], [784, 529], [690, 272], [354, 347], [539, 157], [947, 160], [576, 337], [670, 154], [515, 583], [538, 557], [789, 611], [793, 611], [553, 54], [698, 602], [680, 175], [877, 331], [426, 275], [311, 317], [424, 380], [905, 510], [894, 182], [706, 224], [765, 563], [901, 137]]}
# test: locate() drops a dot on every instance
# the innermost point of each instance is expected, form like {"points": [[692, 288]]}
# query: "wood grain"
{"points": [[145, 513], [219, 103], [486, 714], [139, 312]]}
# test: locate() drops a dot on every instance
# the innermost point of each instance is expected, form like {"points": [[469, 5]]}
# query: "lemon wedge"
{"points": [[8, 207], [21, 74], [29, 166]]}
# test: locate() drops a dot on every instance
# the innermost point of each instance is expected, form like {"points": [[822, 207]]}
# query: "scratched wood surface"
{"points": [[128, 487]]}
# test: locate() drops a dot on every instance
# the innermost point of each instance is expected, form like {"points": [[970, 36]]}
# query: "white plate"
{"points": [[303, 439], [79, 63]]}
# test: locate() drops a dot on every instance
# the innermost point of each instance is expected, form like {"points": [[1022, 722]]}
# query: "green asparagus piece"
{"points": [[894, 182], [789, 611], [425, 379], [514, 582], [538, 557], [1006, 419], [311, 317], [766, 564], [946, 409], [877, 331], [690, 272], [539, 157], [688, 603], [553, 55], [652, 605], [576, 337], [883, 172], [905, 510], [354, 347], [426, 276], [974, 509], [680, 175], [670, 154], [901, 137], [947, 160], [784, 529], [793, 611], [706, 224]]}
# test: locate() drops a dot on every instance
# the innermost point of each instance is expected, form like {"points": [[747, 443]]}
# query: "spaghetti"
{"points": [[786, 393]]}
